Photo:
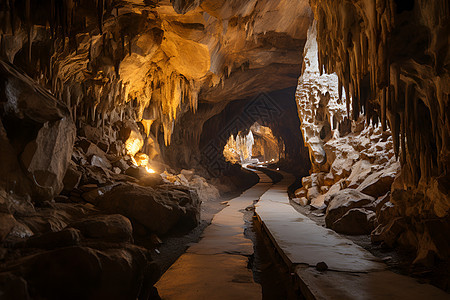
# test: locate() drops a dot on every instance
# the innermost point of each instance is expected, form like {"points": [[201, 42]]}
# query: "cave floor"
{"points": [[353, 272], [217, 266]]}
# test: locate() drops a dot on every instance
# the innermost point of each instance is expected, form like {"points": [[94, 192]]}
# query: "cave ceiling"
{"points": [[155, 60]]}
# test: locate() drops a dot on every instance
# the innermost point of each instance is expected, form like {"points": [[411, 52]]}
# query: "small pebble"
{"points": [[321, 266]]}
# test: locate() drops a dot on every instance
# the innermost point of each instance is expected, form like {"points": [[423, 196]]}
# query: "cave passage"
{"points": [[211, 149], [257, 146]]}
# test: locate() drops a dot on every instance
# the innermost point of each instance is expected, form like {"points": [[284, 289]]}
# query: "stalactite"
{"points": [[356, 39]]}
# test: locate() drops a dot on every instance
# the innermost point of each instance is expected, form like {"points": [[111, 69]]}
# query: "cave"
{"points": [[211, 149]]}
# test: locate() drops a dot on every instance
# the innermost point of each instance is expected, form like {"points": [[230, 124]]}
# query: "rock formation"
{"points": [[392, 58]]}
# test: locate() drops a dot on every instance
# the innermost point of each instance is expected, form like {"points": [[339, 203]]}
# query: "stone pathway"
{"points": [[353, 273], [216, 266]]}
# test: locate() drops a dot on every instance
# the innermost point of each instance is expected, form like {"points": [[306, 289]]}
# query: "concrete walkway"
{"points": [[216, 267], [353, 273]]}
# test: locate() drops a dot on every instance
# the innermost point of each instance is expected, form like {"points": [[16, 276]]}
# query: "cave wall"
{"points": [[392, 58]]}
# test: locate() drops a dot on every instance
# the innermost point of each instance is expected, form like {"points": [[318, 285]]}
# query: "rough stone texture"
{"points": [[150, 61], [392, 60], [52, 240], [342, 201], [40, 129], [159, 210], [356, 221], [94, 274], [379, 183], [320, 109], [108, 227]]}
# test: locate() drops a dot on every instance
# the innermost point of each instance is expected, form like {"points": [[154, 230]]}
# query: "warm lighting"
{"points": [[149, 170], [278, 169], [133, 144]]}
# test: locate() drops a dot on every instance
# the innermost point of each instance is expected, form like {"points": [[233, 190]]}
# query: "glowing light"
{"points": [[278, 169], [150, 170], [133, 144]]}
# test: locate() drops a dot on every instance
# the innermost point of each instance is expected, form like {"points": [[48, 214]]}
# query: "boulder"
{"points": [[13, 287], [313, 192], [136, 172], [356, 221], [47, 157], [121, 164], [51, 240], [106, 227], [301, 201], [318, 202], [80, 272], [71, 178], [92, 195], [40, 128], [345, 127], [151, 179], [360, 170], [93, 134], [379, 183], [343, 201], [7, 223], [390, 232], [101, 162], [159, 210], [301, 192]]}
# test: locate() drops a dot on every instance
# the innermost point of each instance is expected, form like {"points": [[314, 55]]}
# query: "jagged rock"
{"points": [[301, 201], [332, 190], [71, 178], [121, 164], [45, 153], [95, 135], [54, 217], [92, 195], [343, 201], [318, 202], [389, 233], [301, 192], [356, 221], [13, 287], [379, 183], [114, 273], [96, 156], [100, 162], [7, 223], [345, 127], [189, 174], [205, 191], [168, 206], [151, 180], [51, 240], [360, 170], [313, 192], [106, 227], [136, 172]]}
